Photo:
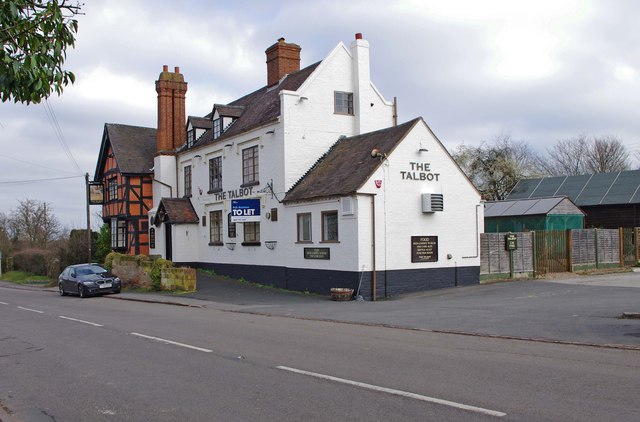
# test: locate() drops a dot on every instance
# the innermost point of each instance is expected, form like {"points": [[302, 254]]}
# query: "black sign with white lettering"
{"points": [[424, 248]]}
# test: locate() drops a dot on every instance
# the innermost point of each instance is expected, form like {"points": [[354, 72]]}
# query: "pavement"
{"points": [[568, 309]]}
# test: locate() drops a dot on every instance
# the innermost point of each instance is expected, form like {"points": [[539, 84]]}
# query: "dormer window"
{"points": [[191, 138], [217, 128]]}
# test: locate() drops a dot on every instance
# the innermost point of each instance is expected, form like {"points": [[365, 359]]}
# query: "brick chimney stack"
{"points": [[282, 58], [171, 89]]}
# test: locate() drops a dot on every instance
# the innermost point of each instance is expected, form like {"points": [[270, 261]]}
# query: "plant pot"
{"points": [[341, 294]]}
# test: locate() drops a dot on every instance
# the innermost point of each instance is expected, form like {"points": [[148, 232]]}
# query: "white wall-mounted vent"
{"points": [[347, 206], [432, 202]]}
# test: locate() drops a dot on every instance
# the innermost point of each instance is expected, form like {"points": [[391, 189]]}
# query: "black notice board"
{"points": [[424, 248], [317, 253]]}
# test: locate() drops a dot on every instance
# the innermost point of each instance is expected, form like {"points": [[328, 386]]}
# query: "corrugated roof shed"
{"points": [[524, 207], [584, 190]]}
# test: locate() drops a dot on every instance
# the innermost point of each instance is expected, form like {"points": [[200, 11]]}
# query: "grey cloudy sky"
{"points": [[538, 71]]}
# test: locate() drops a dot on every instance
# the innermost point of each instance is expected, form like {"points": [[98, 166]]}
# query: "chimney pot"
{"points": [[358, 35], [165, 68], [177, 69]]}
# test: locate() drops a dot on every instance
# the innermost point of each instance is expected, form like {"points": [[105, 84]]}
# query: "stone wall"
{"points": [[179, 279]]}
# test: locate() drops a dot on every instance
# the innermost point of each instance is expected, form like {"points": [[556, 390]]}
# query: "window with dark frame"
{"points": [[250, 165], [191, 137], [118, 233], [231, 227], [304, 227], [112, 188], [251, 232], [343, 102], [215, 228], [187, 180], [215, 174], [330, 226]]}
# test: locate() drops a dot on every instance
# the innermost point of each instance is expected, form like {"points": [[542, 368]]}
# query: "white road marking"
{"points": [[3, 303], [31, 310], [396, 392], [161, 340], [82, 321]]}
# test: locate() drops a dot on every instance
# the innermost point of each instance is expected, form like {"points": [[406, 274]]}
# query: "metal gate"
{"points": [[551, 252], [628, 242]]}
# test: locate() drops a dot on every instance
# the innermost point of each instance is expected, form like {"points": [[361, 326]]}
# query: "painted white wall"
{"points": [[399, 209]]}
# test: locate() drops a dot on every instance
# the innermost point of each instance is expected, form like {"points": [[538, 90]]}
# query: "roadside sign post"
{"points": [[511, 244]]}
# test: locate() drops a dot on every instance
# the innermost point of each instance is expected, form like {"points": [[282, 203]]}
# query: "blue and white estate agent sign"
{"points": [[245, 210]]}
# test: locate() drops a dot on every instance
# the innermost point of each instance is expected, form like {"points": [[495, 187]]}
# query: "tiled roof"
{"points": [[176, 211], [259, 107], [133, 148], [200, 122], [348, 164], [228, 110]]}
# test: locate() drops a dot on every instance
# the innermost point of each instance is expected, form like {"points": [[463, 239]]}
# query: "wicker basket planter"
{"points": [[341, 294]]}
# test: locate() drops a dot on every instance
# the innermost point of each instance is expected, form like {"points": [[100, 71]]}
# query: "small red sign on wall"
{"points": [[378, 183]]}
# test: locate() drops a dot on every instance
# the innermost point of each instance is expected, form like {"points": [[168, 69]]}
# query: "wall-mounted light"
{"points": [[375, 153], [301, 99], [271, 132], [423, 150], [229, 145]]}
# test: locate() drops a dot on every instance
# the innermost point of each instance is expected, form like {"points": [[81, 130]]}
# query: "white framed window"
{"points": [[250, 165], [215, 228], [330, 226], [217, 128], [251, 233], [304, 227], [343, 102], [118, 233], [215, 174], [187, 180]]}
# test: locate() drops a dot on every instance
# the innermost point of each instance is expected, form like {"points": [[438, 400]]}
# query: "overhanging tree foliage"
{"points": [[35, 35]]}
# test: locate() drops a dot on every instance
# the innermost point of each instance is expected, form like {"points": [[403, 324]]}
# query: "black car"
{"points": [[87, 279]]}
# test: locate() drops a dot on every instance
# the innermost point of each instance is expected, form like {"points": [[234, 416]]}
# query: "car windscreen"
{"points": [[90, 269]]}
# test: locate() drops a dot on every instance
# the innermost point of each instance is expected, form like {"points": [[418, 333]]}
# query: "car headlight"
{"points": [[116, 280]]}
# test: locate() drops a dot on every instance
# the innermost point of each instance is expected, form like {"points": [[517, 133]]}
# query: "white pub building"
{"points": [[310, 183]]}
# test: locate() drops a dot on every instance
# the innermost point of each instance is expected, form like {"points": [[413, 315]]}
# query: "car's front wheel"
{"points": [[61, 290], [81, 291]]}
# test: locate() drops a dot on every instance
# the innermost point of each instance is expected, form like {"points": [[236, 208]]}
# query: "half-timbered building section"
{"points": [[125, 170]]}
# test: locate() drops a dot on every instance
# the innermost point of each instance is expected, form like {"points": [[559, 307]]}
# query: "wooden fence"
{"points": [[553, 251]]}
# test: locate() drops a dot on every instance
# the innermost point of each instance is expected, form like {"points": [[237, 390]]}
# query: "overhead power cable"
{"points": [[53, 120], [35, 164], [39, 180]]}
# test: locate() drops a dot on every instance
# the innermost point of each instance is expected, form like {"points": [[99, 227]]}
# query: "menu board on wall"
{"points": [[424, 248]]}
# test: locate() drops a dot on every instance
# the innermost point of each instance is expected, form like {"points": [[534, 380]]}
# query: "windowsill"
{"points": [[343, 114], [216, 244], [329, 241], [305, 242], [187, 196], [246, 185], [215, 191], [251, 243]]}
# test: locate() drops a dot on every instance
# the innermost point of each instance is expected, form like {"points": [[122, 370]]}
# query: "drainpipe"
{"points": [[373, 245]]}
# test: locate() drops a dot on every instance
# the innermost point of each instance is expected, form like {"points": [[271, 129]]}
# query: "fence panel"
{"points": [[494, 259]]}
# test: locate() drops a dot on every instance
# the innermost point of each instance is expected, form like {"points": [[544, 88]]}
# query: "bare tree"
{"points": [[607, 154], [566, 157], [34, 223], [495, 168], [583, 154]]}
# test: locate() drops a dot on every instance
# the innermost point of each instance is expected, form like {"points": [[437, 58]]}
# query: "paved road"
{"points": [[68, 359], [573, 309]]}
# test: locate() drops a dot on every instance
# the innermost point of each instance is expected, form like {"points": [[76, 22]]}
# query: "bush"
{"points": [[36, 261], [108, 260]]}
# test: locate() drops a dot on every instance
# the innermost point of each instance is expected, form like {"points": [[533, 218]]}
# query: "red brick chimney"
{"points": [[171, 89], [282, 58]]}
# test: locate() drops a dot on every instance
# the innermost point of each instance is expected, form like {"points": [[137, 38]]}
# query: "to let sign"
{"points": [[510, 242], [424, 248], [245, 210]]}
